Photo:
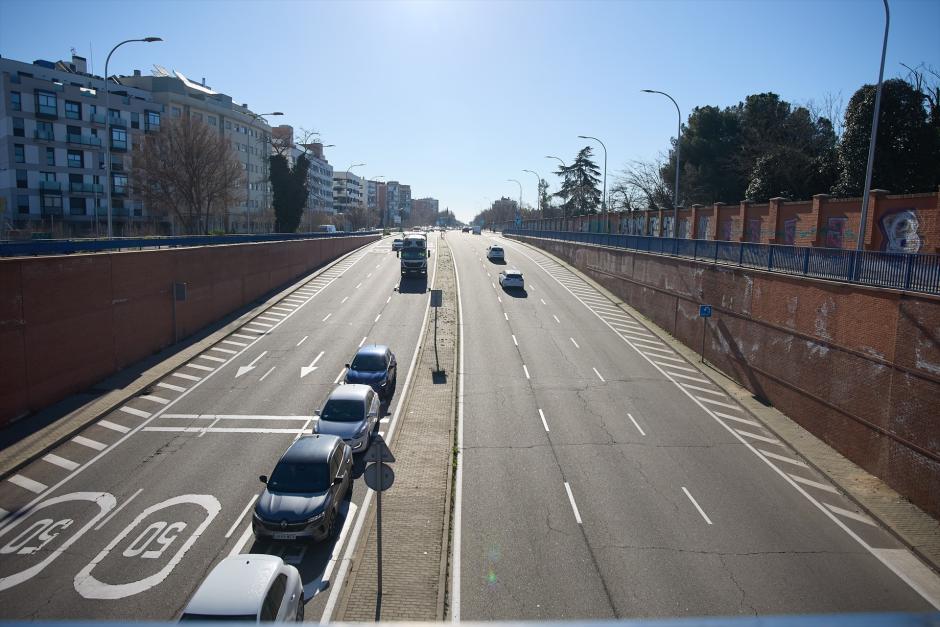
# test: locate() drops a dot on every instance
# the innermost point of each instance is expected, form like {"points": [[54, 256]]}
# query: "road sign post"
{"points": [[437, 300], [704, 312]]}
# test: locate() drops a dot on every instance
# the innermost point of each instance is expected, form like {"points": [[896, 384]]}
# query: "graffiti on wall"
{"points": [[900, 231], [835, 232]]}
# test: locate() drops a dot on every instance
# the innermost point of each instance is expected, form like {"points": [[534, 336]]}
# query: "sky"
{"points": [[454, 98]]}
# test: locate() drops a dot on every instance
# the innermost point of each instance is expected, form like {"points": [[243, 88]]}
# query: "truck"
{"points": [[414, 255], [477, 229], [326, 228]]}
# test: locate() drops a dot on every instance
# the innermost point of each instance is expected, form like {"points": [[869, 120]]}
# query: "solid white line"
{"points": [[515, 341], [339, 376], [738, 419], [238, 520], [302, 340], [61, 462], [211, 358], [784, 458], [188, 377], [573, 342], [135, 412], [233, 342], [697, 506], [813, 484], [544, 422], [115, 511], [201, 430], [264, 376], [107, 424], [27, 484], [574, 506], [235, 417], [850, 514], [198, 367], [636, 424], [499, 298], [756, 436], [714, 402], [155, 399], [526, 370], [362, 341], [701, 389], [598, 375], [170, 386], [377, 318], [327, 317], [556, 318], [242, 541]]}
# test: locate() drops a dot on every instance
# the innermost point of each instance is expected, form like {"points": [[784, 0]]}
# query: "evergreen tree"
{"points": [[579, 188]]}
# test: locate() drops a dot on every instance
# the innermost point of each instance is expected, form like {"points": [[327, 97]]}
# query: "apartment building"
{"points": [[53, 140], [347, 191], [398, 202]]}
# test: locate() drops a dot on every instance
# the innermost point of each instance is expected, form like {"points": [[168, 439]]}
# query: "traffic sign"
{"points": [[705, 311]]}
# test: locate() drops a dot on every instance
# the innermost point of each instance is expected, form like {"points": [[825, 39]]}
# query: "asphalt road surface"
{"points": [[130, 515], [604, 476]]}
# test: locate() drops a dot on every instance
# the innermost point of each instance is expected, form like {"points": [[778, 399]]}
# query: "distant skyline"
{"points": [[453, 98]]}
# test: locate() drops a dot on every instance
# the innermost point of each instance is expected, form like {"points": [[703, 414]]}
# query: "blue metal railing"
{"points": [[907, 271], [69, 246]]}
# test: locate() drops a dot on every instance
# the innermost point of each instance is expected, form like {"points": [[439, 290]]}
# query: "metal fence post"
{"points": [[910, 271], [806, 261], [770, 258], [740, 254]]}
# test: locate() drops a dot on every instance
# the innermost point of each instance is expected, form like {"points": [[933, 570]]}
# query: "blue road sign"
{"points": [[705, 311]]}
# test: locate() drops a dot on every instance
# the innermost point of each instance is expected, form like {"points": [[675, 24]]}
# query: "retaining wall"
{"points": [[67, 322], [858, 367]]}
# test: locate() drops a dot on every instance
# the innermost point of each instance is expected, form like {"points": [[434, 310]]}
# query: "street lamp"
{"points": [[563, 164], [604, 197], [675, 195], [107, 127], [874, 132], [519, 207], [538, 195], [257, 116]]}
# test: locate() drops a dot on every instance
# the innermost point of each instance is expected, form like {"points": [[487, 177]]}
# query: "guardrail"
{"points": [[70, 246], [905, 271]]}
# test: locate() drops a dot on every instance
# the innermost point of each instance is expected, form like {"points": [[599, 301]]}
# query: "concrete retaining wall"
{"points": [[858, 367], [68, 322]]}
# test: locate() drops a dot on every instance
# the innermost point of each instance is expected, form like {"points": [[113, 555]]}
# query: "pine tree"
{"points": [[579, 188]]}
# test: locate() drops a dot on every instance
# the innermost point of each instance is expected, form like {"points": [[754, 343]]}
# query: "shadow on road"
{"points": [[516, 292], [411, 285]]}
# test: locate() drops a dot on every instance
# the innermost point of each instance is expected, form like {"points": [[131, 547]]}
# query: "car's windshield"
{"points": [[413, 253], [300, 477], [369, 362], [343, 410]]}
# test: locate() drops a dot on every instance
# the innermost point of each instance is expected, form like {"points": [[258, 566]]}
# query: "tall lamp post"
{"points": [[256, 116], [107, 127], [874, 132], [519, 207], [675, 195], [538, 194]]}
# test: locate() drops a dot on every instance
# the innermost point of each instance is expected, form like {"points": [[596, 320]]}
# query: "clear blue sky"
{"points": [[456, 97]]}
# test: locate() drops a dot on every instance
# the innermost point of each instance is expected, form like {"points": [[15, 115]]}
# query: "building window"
{"points": [[212, 120], [47, 176], [228, 125], [197, 116], [77, 206], [44, 130], [53, 202], [153, 120], [76, 159], [16, 101], [119, 184], [22, 203], [21, 180], [19, 153], [176, 112], [19, 127], [135, 119], [50, 156], [46, 103], [119, 138], [73, 110]]}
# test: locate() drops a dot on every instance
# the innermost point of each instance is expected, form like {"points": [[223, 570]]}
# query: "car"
{"points": [[511, 278], [465, 229], [374, 365], [301, 499], [351, 413], [397, 243], [495, 253], [250, 587]]}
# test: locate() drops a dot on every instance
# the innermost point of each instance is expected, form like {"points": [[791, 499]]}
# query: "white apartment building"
{"points": [[347, 191]]}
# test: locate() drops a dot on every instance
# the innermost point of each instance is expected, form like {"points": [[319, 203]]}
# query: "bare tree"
{"points": [[641, 186], [831, 107], [188, 170]]}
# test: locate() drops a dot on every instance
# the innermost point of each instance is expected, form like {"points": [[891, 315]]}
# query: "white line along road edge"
{"points": [[458, 475]]}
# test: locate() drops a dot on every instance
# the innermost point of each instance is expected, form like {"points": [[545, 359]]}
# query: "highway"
{"points": [[605, 476], [131, 514]]}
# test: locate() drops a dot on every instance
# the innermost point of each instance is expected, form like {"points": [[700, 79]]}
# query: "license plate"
{"points": [[285, 536]]}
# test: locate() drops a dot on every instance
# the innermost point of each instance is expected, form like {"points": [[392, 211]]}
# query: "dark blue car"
{"points": [[374, 366]]}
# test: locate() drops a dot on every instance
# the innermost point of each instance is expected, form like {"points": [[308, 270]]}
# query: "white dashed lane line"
{"points": [[697, 506], [574, 506]]}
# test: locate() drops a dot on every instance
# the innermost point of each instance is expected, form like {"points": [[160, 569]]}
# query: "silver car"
{"points": [[255, 588], [351, 412], [511, 279]]}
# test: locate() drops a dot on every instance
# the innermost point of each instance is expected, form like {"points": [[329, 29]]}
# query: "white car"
{"points": [[250, 587], [511, 278], [495, 253], [397, 243]]}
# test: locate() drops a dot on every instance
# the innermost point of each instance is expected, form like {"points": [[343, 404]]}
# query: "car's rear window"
{"points": [[512, 275], [496, 249], [369, 362], [300, 477], [343, 410]]}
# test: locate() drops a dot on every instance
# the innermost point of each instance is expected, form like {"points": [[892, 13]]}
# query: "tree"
{"points": [[579, 188], [907, 149], [642, 186], [187, 170], [291, 188]]}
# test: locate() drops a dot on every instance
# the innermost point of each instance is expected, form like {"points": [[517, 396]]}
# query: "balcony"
{"points": [[117, 121], [117, 144], [120, 212], [48, 136], [97, 118], [52, 211], [117, 166], [86, 188], [50, 186], [86, 140], [119, 190], [151, 128]]}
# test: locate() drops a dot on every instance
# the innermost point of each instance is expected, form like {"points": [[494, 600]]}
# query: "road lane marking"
{"points": [[265, 375], [224, 350], [850, 514], [242, 541], [526, 370], [573, 342], [515, 341], [685, 376], [813, 484], [258, 331], [362, 341], [697, 506], [701, 389], [598, 375], [556, 318], [286, 309], [268, 318], [61, 462], [212, 358], [170, 386], [261, 324], [738, 419], [202, 430], [645, 341], [217, 417], [339, 376], [542, 300], [198, 367], [544, 422], [238, 520], [672, 366], [27, 484], [377, 318], [250, 338], [493, 284], [302, 340], [499, 298], [658, 351], [574, 506], [783, 458], [756, 436], [388, 300], [636, 424], [313, 588], [134, 412], [358, 286], [107, 424], [188, 377], [714, 402], [117, 509], [506, 316], [233, 342], [327, 317], [532, 286]]}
